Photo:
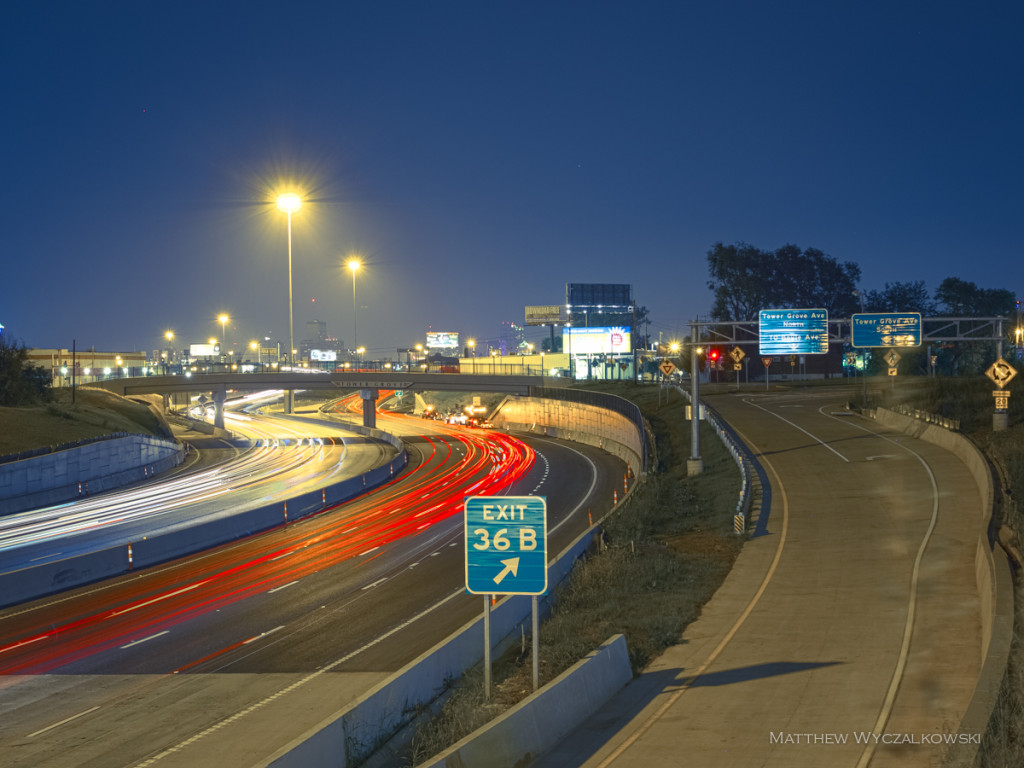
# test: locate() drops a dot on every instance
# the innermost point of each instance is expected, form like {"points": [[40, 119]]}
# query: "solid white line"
{"points": [[299, 683], [262, 635], [374, 584], [136, 642], [283, 586], [795, 426], [158, 599], [23, 643], [65, 720]]}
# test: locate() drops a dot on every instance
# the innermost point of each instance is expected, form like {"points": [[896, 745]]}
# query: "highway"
{"points": [[844, 634], [272, 633], [285, 458]]}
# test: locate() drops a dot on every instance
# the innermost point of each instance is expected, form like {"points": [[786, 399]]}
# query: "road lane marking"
{"points": [[262, 635], [158, 599], [62, 722], [145, 639], [796, 426], [677, 694], [908, 627], [299, 683], [283, 586]]}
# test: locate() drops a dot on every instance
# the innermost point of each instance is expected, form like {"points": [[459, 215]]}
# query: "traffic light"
{"points": [[714, 354]]}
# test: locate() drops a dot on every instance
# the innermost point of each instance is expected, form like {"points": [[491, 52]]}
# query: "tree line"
{"points": [[745, 280]]}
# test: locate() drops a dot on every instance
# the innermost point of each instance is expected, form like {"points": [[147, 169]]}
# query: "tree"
{"points": [[963, 299], [746, 280], [21, 383], [900, 297]]}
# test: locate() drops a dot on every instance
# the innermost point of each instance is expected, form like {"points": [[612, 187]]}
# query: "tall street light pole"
{"points": [[353, 264], [223, 320], [290, 203]]}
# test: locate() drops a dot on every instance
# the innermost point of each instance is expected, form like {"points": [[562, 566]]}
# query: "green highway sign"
{"points": [[793, 331], [886, 329]]}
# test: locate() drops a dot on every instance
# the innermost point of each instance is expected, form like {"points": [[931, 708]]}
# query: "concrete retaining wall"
{"points": [[581, 423], [538, 722], [158, 546], [992, 575], [65, 475]]}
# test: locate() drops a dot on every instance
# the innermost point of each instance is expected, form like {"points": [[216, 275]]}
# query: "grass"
{"points": [[666, 550], [94, 413]]}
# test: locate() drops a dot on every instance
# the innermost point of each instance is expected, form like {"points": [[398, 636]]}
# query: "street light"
{"points": [[255, 347], [353, 264], [290, 203], [223, 320], [471, 343]]}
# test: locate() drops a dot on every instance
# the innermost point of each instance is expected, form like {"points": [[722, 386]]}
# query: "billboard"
{"points": [[442, 340], [323, 355], [599, 294], [203, 350], [793, 332], [551, 314], [892, 329], [603, 340]]}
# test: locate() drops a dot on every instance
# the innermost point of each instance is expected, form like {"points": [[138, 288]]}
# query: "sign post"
{"points": [[506, 554], [1001, 372]]}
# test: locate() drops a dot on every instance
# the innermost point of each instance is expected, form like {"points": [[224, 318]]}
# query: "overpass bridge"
{"points": [[369, 384]]}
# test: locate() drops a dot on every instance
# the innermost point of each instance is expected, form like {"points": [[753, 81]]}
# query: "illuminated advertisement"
{"points": [[604, 340], [324, 355], [442, 340], [203, 350]]}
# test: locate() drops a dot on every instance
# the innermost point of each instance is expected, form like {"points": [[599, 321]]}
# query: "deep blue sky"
{"points": [[480, 155]]}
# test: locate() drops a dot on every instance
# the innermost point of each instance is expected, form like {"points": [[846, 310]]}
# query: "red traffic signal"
{"points": [[713, 355]]}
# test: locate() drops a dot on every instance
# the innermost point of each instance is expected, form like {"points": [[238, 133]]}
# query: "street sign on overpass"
{"points": [[892, 329], [506, 545], [793, 331]]}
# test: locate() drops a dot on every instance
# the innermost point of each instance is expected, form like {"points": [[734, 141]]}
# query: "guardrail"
{"points": [[747, 465]]}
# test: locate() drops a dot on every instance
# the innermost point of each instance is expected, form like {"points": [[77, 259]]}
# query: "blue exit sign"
{"points": [[793, 331], [886, 329], [506, 545]]}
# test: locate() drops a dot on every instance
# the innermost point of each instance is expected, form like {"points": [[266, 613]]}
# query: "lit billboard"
{"points": [[793, 332], [203, 350], [549, 314], [323, 355], [603, 340], [442, 340]]}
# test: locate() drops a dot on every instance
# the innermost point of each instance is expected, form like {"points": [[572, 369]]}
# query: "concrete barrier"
{"points": [[352, 734], [538, 722], [578, 422], [992, 577], [161, 545], [54, 478]]}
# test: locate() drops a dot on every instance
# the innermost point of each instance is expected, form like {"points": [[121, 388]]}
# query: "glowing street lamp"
{"points": [[290, 203], [223, 320], [354, 265]]}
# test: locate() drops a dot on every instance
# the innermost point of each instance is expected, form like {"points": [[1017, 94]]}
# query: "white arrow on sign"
{"points": [[511, 566]]}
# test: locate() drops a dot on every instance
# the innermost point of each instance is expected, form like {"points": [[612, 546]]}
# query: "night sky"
{"points": [[478, 156]]}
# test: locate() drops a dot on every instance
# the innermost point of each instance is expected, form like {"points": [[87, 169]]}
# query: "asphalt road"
{"points": [[849, 635], [229, 681]]}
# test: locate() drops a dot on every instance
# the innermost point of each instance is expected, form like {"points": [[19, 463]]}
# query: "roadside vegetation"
{"points": [[665, 550], [970, 400], [59, 421]]}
